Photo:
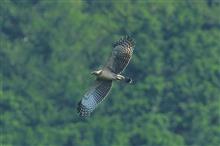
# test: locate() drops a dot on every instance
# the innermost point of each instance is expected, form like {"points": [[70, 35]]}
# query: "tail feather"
{"points": [[82, 110]]}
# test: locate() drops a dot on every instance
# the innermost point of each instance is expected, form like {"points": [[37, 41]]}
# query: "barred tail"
{"points": [[82, 110]]}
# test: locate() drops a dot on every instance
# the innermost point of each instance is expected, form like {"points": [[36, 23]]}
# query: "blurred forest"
{"points": [[48, 48]]}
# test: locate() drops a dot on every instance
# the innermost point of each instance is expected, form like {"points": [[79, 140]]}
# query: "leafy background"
{"points": [[48, 48]]}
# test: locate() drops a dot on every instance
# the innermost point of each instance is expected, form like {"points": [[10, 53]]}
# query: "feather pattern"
{"points": [[121, 55], [93, 97], [117, 62]]}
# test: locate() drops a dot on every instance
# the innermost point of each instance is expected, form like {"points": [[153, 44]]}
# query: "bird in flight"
{"points": [[111, 71]]}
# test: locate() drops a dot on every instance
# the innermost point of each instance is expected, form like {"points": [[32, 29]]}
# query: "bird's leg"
{"points": [[120, 77], [126, 79]]}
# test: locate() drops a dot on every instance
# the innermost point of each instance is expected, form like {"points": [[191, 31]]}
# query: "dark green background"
{"points": [[48, 48]]}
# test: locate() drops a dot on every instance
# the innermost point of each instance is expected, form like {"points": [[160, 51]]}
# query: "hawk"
{"points": [[111, 71]]}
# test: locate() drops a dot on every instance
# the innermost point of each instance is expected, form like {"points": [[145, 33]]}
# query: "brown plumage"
{"points": [[121, 55], [117, 62]]}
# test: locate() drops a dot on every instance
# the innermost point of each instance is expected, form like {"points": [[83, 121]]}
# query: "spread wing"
{"points": [[121, 55], [93, 97]]}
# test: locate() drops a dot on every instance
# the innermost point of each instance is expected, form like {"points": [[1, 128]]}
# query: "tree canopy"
{"points": [[48, 48]]}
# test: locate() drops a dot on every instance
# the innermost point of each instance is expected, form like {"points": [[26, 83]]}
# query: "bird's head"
{"points": [[98, 72]]}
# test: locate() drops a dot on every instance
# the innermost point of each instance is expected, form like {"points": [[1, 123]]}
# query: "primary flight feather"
{"points": [[117, 62]]}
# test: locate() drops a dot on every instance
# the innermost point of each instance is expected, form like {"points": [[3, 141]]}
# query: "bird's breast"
{"points": [[107, 75]]}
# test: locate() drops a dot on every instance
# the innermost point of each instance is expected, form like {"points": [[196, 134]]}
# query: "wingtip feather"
{"points": [[126, 39], [82, 110]]}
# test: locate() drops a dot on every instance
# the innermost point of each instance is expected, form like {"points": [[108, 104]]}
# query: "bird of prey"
{"points": [[111, 71]]}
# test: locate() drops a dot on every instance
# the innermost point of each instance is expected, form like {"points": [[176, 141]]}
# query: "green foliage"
{"points": [[47, 50]]}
